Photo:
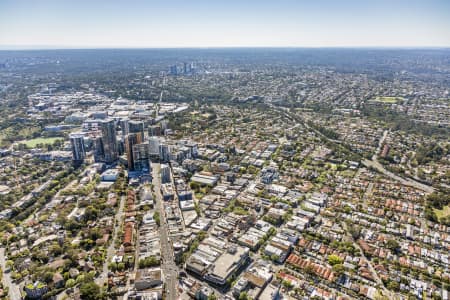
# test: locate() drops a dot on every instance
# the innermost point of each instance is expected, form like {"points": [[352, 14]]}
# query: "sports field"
{"points": [[45, 141], [387, 100]]}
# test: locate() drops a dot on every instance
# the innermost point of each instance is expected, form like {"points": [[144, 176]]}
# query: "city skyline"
{"points": [[201, 24]]}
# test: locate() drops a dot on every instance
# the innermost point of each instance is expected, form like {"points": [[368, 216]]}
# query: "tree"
{"points": [[201, 235], [355, 231], [212, 297], [243, 296], [436, 296], [113, 266], [90, 291], [48, 277], [157, 218], [438, 200], [9, 264], [80, 278], [393, 285], [309, 270], [339, 269], [334, 260], [150, 261], [90, 213], [447, 286], [56, 249], [197, 209], [16, 276], [70, 283], [437, 282], [194, 186], [121, 266], [287, 284], [393, 245]]}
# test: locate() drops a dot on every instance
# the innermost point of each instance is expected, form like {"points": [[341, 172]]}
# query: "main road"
{"points": [[373, 163], [372, 270], [168, 265]]}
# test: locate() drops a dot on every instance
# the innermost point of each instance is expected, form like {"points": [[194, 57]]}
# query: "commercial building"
{"points": [[173, 70], [110, 175], [164, 153], [136, 127], [125, 126], [154, 146], [148, 278], [98, 149], [227, 264], [109, 141], [78, 147], [131, 140], [154, 130], [167, 191], [165, 174], [92, 125], [205, 179], [141, 157]]}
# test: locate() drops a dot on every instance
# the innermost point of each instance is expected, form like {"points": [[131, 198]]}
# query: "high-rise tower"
{"points": [[131, 140], [136, 127], [109, 139], [78, 147]]}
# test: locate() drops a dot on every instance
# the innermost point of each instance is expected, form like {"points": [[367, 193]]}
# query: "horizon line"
{"points": [[52, 47]]}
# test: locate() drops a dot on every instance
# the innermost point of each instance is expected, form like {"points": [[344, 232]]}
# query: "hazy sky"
{"points": [[224, 23]]}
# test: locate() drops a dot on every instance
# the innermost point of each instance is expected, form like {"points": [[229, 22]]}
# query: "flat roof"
{"points": [[227, 263], [205, 179], [148, 274]]}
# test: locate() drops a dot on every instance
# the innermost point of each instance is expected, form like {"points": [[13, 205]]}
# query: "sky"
{"points": [[26, 24]]}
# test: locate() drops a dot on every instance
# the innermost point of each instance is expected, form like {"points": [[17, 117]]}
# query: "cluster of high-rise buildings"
{"points": [[109, 140], [186, 69]]}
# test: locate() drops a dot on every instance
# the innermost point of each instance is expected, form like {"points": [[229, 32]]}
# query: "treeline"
{"points": [[56, 184], [150, 261], [402, 122], [431, 152], [329, 133], [437, 200]]}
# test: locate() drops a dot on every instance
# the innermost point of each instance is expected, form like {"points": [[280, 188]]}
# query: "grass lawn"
{"points": [[10, 134], [347, 173], [388, 100], [440, 213], [32, 143]]}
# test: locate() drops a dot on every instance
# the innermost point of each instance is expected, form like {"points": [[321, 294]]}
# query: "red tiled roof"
{"points": [[128, 234]]}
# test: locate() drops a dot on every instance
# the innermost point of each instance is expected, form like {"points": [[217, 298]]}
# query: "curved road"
{"points": [[406, 181], [374, 163], [368, 163]]}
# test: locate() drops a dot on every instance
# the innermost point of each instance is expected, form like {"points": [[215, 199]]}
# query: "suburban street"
{"points": [[369, 263], [215, 160], [406, 181], [100, 280], [14, 290], [168, 265], [373, 163], [380, 144]]}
